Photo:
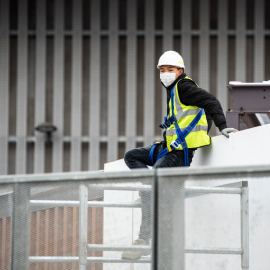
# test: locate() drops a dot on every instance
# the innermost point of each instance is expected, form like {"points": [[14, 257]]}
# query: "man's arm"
{"points": [[192, 95]]}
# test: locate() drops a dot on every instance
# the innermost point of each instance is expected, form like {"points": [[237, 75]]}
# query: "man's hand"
{"points": [[226, 131]]}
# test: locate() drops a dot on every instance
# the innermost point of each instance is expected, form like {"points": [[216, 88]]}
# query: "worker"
{"points": [[190, 111]]}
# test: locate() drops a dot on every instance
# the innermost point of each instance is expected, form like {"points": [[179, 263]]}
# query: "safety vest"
{"points": [[184, 114]]}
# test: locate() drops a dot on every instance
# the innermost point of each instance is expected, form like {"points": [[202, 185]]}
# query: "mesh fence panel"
{"points": [[226, 217], [5, 226], [201, 221], [213, 221], [49, 227]]}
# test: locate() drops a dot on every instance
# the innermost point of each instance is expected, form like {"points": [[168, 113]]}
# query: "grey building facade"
{"points": [[89, 67]]}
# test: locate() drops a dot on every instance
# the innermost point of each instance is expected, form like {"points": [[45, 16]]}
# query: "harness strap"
{"points": [[151, 154]]}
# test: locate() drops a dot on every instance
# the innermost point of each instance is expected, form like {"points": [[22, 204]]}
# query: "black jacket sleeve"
{"points": [[190, 94]]}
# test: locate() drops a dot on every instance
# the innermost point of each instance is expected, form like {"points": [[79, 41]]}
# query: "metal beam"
{"points": [[220, 190], [118, 248], [222, 73], [204, 57], [167, 45], [250, 120], [240, 41], [131, 79], [202, 250], [149, 80], [40, 96], [4, 85], [259, 42], [89, 259], [22, 85], [112, 153], [58, 87], [94, 81], [51, 203], [235, 251], [186, 44], [76, 99]]}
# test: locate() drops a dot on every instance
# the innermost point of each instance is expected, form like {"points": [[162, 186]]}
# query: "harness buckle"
{"points": [[175, 144]]}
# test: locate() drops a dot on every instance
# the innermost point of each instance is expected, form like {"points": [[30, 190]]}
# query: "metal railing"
{"points": [[242, 189], [22, 205]]}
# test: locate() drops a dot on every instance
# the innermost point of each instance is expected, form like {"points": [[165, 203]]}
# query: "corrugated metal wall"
{"points": [[89, 67], [54, 232]]}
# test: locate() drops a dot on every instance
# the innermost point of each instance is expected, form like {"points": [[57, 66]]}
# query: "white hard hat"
{"points": [[171, 58]]}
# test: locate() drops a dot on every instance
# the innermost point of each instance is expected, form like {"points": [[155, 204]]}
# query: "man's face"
{"points": [[171, 69]]}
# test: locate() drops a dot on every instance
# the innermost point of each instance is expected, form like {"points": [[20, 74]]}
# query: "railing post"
{"points": [[245, 228], [83, 227], [20, 228], [154, 210], [171, 223]]}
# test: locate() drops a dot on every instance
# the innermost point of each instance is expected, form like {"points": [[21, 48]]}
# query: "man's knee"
{"points": [[128, 155]]}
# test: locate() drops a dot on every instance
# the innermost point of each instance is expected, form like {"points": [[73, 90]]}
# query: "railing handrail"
{"points": [[191, 171]]}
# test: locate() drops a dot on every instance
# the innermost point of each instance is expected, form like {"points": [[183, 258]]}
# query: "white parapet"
{"points": [[214, 220]]}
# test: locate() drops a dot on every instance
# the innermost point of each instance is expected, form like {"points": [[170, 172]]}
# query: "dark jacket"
{"points": [[190, 94]]}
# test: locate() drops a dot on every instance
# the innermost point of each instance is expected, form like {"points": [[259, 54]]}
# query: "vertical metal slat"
{"points": [[112, 153], [241, 41], [222, 73], [259, 56], [76, 108], [58, 87], [94, 127], [21, 88], [4, 85], [204, 46], [131, 81], [167, 43], [185, 37], [149, 70], [40, 85]]}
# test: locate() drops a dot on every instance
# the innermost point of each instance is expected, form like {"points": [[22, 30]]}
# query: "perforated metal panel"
{"points": [[200, 218]]}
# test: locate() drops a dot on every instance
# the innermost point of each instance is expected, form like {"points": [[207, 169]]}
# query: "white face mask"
{"points": [[167, 78]]}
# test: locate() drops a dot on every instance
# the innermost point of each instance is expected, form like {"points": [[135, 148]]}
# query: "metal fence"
{"points": [[86, 220], [89, 67]]}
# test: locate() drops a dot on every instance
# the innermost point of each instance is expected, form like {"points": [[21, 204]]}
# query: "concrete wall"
{"points": [[214, 220]]}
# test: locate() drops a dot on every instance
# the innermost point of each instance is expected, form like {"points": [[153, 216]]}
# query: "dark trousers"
{"points": [[138, 159]]}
